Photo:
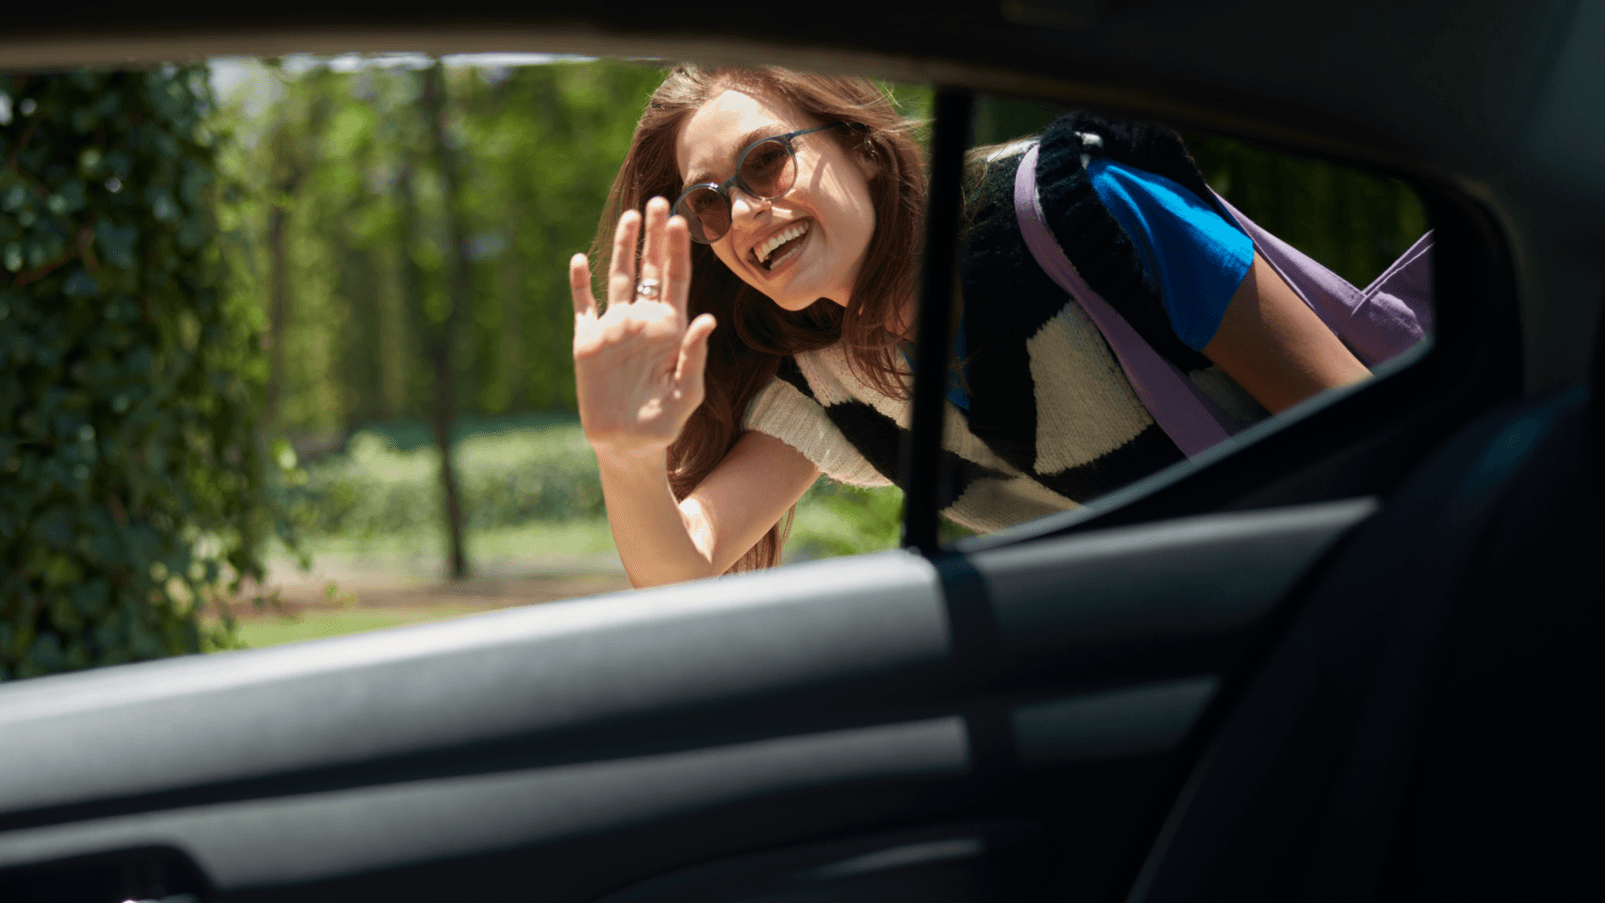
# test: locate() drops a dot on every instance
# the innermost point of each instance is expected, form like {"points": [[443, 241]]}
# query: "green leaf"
{"points": [[116, 243], [79, 284], [120, 411], [54, 527]]}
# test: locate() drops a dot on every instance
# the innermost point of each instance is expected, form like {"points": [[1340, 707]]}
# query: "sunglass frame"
{"points": [[722, 189]]}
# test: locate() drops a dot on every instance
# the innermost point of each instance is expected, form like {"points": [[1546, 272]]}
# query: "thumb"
{"points": [[694, 354]]}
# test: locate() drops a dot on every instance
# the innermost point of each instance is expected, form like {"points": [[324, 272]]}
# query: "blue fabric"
{"points": [[955, 385], [1198, 258]]}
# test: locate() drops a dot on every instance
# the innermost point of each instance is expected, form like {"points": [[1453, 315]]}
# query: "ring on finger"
{"points": [[648, 289]]}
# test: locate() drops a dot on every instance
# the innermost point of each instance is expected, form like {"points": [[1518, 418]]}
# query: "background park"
{"points": [[284, 345]]}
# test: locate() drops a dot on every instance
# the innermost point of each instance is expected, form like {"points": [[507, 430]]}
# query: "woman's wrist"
{"points": [[649, 528], [632, 456]]}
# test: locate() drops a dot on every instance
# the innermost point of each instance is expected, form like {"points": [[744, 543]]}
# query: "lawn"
{"points": [[273, 630], [536, 532]]}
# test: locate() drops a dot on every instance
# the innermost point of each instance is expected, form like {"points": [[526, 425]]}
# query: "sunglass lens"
{"points": [[768, 169], [707, 213]]}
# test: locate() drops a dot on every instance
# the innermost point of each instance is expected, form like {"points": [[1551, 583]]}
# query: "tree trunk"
{"points": [[443, 409], [278, 283], [360, 363]]}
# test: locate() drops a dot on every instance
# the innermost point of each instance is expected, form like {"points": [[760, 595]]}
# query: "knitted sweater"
{"points": [[1051, 420]]}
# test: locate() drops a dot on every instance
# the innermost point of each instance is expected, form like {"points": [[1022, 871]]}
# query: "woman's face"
{"points": [[830, 203]]}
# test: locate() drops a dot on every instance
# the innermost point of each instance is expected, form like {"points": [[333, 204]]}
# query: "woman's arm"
{"points": [[1275, 347], [638, 371], [664, 542]]}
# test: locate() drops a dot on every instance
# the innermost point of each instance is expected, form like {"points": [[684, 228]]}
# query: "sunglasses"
{"points": [[765, 171]]}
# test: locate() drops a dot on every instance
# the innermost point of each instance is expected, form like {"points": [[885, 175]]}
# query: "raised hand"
{"points": [[638, 366]]}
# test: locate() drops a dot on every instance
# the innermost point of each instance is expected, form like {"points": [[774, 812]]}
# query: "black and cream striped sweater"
{"points": [[1052, 421]]}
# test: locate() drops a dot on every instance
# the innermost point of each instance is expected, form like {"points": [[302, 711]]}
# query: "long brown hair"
{"points": [[754, 333]]}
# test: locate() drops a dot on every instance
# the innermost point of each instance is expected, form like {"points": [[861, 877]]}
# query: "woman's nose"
{"points": [[744, 204]]}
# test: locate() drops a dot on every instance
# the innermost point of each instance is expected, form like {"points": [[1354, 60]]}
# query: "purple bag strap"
{"points": [[1180, 408], [1391, 315]]}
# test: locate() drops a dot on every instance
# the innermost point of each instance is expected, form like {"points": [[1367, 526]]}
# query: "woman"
{"points": [[804, 195]]}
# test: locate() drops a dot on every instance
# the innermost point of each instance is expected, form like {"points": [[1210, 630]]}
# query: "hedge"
{"points": [[133, 485]]}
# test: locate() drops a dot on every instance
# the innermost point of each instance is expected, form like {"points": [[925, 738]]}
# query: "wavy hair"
{"points": [[754, 333]]}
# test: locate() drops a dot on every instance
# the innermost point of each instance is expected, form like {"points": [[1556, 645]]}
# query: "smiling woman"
{"points": [[856, 193], [757, 337]]}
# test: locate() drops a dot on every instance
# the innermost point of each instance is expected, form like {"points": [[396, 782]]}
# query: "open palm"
{"points": [[638, 365]]}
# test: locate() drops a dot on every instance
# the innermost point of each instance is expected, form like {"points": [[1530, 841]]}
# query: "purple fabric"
{"points": [[1179, 407], [1390, 316]]}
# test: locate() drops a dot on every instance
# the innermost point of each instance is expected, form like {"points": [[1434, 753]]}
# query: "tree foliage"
{"points": [[366, 224], [132, 485], [408, 236]]}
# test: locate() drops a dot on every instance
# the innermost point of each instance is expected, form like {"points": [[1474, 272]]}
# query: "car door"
{"points": [[1007, 717]]}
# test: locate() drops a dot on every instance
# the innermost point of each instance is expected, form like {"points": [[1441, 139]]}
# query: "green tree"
{"points": [[534, 149], [443, 343], [132, 488], [406, 235]]}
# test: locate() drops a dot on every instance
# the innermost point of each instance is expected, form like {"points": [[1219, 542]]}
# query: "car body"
{"points": [[1345, 655]]}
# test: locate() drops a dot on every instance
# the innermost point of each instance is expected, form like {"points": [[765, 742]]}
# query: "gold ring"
{"points": [[648, 289]]}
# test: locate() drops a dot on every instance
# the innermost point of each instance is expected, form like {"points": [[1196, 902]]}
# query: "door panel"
{"points": [[309, 837], [1111, 725], [562, 672], [1000, 859], [1137, 603], [573, 749]]}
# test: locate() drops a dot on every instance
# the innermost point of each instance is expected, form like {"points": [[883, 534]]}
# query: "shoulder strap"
{"points": [[1389, 316], [1180, 408]]}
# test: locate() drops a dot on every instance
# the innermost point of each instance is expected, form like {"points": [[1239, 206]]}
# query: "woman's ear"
{"points": [[867, 160]]}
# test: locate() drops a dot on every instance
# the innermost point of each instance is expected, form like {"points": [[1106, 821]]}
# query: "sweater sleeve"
{"points": [[782, 411]]}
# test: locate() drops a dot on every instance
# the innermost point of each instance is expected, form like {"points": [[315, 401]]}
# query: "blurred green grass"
{"points": [[273, 631], [530, 489], [370, 516], [584, 538]]}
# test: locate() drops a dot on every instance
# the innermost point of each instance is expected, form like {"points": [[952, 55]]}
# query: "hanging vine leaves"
{"points": [[133, 484]]}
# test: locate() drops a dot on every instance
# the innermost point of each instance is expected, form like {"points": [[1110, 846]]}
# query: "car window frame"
{"points": [[1474, 358]]}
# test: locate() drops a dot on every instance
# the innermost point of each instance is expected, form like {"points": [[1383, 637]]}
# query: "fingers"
{"points": [[656, 251], [694, 355], [665, 257], [579, 285], [678, 280], [621, 274]]}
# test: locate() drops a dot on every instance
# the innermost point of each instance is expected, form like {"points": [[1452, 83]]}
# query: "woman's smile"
{"points": [[772, 250]]}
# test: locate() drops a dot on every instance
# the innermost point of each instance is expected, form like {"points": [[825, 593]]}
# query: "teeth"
{"points": [[763, 251]]}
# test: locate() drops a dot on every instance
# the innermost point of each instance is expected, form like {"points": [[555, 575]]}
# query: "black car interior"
{"points": [[1347, 657]]}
